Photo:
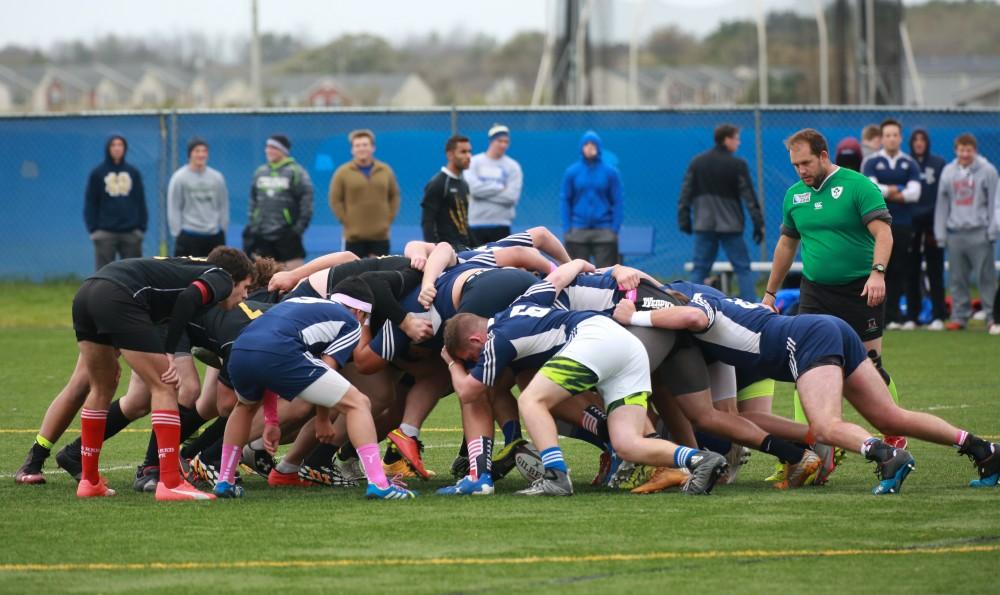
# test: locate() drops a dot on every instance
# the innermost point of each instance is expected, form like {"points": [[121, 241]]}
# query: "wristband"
{"points": [[270, 406], [771, 293], [451, 363], [642, 319], [552, 267]]}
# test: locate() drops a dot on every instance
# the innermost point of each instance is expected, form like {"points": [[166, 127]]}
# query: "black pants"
{"points": [[491, 233], [108, 243], [897, 273], [925, 248], [188, 244], [366, 248]]}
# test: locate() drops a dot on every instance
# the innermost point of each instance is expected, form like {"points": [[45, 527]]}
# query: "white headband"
{"points": [[351, 302], [497, 129], [275, 144]]}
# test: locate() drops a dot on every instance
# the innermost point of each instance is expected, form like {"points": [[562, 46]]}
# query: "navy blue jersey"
{"points": [[894, 172], [752, 336], [303, 324], [445, 283], [527, 334], [591, 291], [485, 254], [389, 342]]}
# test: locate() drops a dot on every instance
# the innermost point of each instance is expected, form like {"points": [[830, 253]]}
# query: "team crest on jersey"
{"points": [[801, 198], [880, 165], [818, 206], [836, 191]]}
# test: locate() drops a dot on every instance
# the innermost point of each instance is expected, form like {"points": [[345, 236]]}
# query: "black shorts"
{"points": [[283, 249], [366, 248], [105, 313], [188, 244], [684, 370], [493, 290], [846, 303]]}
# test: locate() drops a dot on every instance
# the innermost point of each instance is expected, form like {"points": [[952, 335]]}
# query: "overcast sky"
{"points": [[40, 23]]}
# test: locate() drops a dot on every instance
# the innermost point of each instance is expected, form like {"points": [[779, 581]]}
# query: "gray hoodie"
{"points": [[966, 199]]}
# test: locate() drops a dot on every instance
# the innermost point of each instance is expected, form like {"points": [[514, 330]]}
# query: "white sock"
{"points": [[411, 431], [257, 444], [284, 467]]}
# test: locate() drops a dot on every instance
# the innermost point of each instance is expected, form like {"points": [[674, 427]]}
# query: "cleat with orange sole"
{"points": [[85, 489], [277, 479], [409, 449], [663, 478], [182, 492]]}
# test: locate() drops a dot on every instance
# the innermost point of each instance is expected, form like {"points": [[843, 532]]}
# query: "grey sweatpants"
{"points": [[108, 243], [970, 256]]}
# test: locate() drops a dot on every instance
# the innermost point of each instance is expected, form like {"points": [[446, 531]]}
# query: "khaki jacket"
{"points": [[365, 206]]}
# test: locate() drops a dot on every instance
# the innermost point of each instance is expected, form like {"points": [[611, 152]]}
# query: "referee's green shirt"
{"points": [[831, 222]]}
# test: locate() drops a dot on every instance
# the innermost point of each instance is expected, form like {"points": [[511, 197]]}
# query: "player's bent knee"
{"points": [[328, 390]]}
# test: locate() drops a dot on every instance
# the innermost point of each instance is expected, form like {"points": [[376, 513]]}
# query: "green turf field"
{"points": [[938, 535]]}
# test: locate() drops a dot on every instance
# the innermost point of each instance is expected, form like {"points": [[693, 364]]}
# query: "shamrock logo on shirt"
{"points": [[836, 191]]}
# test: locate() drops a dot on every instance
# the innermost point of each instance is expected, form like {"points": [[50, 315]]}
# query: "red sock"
{"points": [[167, 427], [91, 440]]}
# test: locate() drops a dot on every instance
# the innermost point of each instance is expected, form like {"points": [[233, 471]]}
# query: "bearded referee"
{"points": [[841, 220]]}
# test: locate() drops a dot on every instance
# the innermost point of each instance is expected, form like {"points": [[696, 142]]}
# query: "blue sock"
{"points": [[511, 431], [552, 458], [682, 456]]}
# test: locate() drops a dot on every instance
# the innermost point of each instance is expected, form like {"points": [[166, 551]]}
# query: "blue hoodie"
{"points": [[115, 200], [592, 196], [930, 174]]}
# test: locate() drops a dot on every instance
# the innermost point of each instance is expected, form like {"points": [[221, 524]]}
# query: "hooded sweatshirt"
{"points": [[592, 196], [115, 200], [966, 199], [281, 200], [849, 153], [930, 174]]}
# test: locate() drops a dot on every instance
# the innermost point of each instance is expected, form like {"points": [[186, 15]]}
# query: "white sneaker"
{"points": [[995, 329], [909, 325], [893, 326], [936, 325], [979, 315]]}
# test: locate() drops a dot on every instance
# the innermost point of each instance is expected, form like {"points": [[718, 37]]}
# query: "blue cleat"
{"points": [[470, 487], [392, 492], [988, 468], [892, 472], [224, 489]]}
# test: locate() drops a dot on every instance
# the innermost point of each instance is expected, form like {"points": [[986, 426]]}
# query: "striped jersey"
{"points": [[484, 254], [390, 342], [304, 323], [527, 334]]}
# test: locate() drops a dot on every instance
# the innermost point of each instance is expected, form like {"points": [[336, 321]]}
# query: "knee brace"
{"points": [[877, 360]]}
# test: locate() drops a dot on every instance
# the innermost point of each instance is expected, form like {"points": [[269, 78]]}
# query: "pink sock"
{"points": [[960, 439], [230, 458], [371, 460]]}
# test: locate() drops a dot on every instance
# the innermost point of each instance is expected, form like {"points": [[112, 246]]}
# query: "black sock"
{"points": [[594, 415], [483, 462], [321, 456], [391, 455], [39, 453], [191, 420], [347, 452], [463, 451], [712, 442], [977, 447], [783, 449], [212, 454], [577, 433], [210, 435], [152, 455]]}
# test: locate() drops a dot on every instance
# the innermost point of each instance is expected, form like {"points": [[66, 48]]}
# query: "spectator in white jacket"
{"points": [[495, 182], [965, 223]]}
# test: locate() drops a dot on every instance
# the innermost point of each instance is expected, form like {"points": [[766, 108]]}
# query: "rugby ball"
{"points": [[528, 462]]}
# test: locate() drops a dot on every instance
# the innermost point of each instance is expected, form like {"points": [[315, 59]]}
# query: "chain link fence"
{"points": [[46, 161]]}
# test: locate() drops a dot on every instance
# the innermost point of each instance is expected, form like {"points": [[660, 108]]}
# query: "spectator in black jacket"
{"points": [[115, 206], [445, 207], [715, 184], [924, 245]]}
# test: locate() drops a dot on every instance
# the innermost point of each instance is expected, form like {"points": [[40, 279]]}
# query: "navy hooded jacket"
{"points": [[115, 200], [930, 174], [592, 196]]}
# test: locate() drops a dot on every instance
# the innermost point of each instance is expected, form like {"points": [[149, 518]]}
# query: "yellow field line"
{"points": [[530, 560]]}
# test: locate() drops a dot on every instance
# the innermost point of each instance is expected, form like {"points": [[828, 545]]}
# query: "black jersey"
{"points": [[216, 329], [445, 215], [364, 265], [155, 283]]}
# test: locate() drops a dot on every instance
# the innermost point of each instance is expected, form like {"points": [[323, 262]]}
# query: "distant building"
{"points": [[955, 81], [670, 86], [310, 90]]}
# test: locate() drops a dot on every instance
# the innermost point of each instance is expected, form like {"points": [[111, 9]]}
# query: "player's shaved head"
{"points": [[458, 330]]}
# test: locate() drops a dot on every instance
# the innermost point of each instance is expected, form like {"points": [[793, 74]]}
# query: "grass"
{"points": [[938, 535]]}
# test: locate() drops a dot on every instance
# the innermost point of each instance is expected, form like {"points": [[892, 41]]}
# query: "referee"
{"points": [[842, 222]]}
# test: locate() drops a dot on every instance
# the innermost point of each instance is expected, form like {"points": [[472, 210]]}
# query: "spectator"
{"points": [[965, 222], [924, 246], [445, 216], [281, 206], [197, 204], [897, 176], [115, 206], [849, 154], [592, 205], [716, 184], [364, 196], [871, 140], [495, 184]]}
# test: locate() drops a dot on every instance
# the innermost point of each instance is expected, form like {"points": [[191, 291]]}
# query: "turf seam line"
{"points": [[528, 560]]}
